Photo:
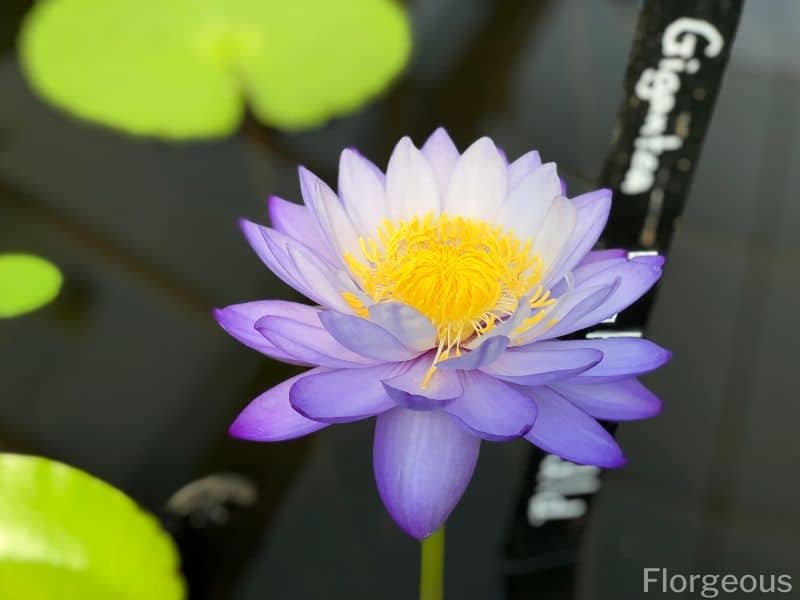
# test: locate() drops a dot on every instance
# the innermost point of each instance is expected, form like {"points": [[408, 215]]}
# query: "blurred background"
{"points": [[127, 376]]}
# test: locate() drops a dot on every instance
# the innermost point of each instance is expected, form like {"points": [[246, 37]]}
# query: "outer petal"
{"points": [[239, 321], [482, 355], [622, 357], [479, 182], [570, 433], [423, 463], [591, 215], [601, 255], [492, 409], [325, 284], [623, 400], [283, 269], [635, 277], [520, 168], [270, 417], [411, 186], [297, 222], [571, 309], [309, 343], [362, 192], [406, 388], [408, 325], [443, 155], [344, 395], [542, 363], [364, 337]]}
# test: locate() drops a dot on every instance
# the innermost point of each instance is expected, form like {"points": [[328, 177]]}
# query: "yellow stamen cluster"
{"points": [[464, 275]]}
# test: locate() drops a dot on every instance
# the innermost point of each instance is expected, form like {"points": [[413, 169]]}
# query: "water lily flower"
{"points": [[440, 288]]}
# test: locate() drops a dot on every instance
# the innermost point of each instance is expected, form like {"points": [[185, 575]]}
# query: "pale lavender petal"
{"points": [[411, 187], [362, 192], [491, 409], [330, 214], [239, 321], [270, 417], [364, 337], [479, 182], [622, 357], [540, 363], [344, 395], [482, 355], [566, 431], [423, 463], [325, 282], [591, 215], [254, 234], [554, 233], [520, 168], [297, 222], [527, 205], [413, 329], [406, 388], [309, 343], [623, 400], [443, 155]]}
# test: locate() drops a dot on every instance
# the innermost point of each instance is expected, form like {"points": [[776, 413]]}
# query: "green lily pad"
{"points": [[186, 68], [65, 535], [26, 283]]}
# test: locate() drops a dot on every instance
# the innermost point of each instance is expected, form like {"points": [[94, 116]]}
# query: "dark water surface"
{"points": [[127, 376]]}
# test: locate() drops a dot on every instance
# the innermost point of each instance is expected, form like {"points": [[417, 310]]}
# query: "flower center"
{"points": [[464, 275]]}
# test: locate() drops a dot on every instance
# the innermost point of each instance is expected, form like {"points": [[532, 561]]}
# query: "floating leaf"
{"points": [[185, 68], [26, 283], [65, 535]]}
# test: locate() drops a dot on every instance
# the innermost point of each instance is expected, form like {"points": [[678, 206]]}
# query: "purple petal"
{"points": [[344, 395], [622, 357], [309, 343], [406, 388], [591, 213], [635, 277], [408, 325], [239, 321], [601, 255], [571, 309], [270, 417], [482, 355], [542, 363], [520, 168], [297, 222], [623, 400], [364, 337], [443, 155], [491, 409], [423, 463], [570, 433]]}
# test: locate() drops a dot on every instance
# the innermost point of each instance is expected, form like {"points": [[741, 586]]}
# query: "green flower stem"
{"points": [[431, 576]]}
